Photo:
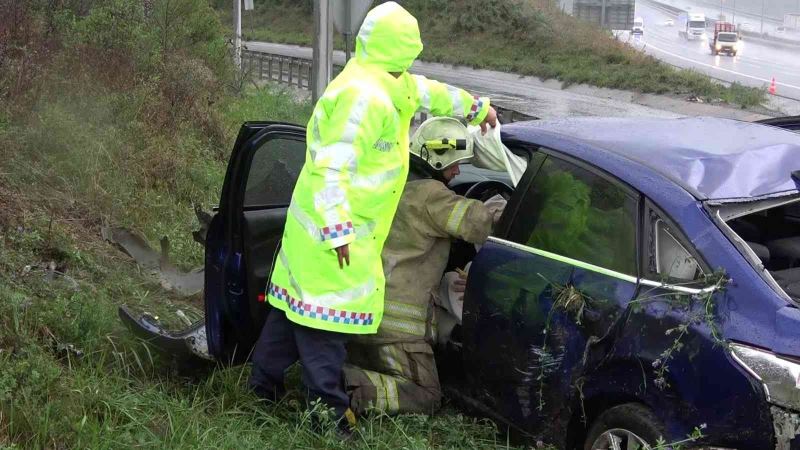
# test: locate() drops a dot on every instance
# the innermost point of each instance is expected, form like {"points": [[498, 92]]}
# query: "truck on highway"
{"points": [[791, 21], [725, 40], [638, 26], [692, 25]]}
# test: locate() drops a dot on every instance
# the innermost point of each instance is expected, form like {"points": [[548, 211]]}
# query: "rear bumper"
{"points": [[187, 348]]}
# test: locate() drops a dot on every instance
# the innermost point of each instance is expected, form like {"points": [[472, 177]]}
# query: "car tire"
{"points": [[630, 421]]}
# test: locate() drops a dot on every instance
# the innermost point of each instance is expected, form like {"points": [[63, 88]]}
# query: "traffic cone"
{"points": [[772, 88]]}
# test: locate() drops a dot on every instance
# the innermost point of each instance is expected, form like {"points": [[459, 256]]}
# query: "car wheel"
{"points": [[625, 426]]}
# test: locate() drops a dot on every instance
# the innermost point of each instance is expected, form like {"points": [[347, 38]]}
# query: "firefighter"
{"points": [[394, 371], [328, 281]]}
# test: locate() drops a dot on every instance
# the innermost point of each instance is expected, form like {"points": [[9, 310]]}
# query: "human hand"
{"points": [[343, 253], [490, 120]]}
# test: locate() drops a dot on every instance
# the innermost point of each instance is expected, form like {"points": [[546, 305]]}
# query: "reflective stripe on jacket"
{"points": [[415, 255], [355, 169]]}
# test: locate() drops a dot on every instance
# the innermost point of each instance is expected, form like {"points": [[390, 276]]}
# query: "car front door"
{"points": [[542, 294], [244, 236]]}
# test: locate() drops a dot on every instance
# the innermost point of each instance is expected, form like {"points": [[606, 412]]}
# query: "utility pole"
{"points": [[322, 64], [237, 39], [762, 17], [603, 14], [347, 33]]}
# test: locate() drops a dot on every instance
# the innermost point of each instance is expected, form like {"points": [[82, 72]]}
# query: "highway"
{"points": [[528, 95], [755, 65]]}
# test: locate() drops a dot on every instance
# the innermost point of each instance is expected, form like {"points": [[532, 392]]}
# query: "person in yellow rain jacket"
{"points": [[328, 282]]}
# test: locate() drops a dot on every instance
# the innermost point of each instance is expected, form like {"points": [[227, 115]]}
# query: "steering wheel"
{"points": [[484, 190]]}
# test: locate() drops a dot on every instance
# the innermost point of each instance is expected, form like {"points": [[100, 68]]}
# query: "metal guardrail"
{"points": [[278, 68], [296, 72]]}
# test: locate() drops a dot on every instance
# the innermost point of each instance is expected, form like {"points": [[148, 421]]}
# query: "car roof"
{"points": [[711, 158]]}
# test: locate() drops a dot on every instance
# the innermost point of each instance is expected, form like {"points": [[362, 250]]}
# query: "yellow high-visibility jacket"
{"points": [[356, 167]]}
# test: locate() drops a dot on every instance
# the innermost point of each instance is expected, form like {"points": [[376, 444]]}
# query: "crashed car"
{"points": [[642, 284]]}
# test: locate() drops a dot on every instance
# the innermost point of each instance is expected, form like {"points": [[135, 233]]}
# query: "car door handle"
{"points": [[235, 290]]}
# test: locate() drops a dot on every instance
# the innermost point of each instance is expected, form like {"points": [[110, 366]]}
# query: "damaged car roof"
{"points": [[711, 158]]}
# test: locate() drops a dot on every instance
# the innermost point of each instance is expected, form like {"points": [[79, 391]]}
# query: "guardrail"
{"points": [[277, 68], [296, 72]]}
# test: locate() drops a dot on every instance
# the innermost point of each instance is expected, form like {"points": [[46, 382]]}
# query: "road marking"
{"points": [[694, 61]]}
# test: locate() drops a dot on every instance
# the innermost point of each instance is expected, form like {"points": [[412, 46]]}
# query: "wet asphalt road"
{"points": [[528, 95], [755, 65]]}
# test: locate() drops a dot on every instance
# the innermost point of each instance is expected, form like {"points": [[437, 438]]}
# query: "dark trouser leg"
{"points": [[274, 352], [322, 354]]}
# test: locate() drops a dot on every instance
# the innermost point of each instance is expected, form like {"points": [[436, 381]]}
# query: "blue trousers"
{"points": [[321, 354]]}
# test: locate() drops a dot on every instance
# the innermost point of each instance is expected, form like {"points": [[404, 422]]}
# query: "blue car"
{"points": [[642, 285]]}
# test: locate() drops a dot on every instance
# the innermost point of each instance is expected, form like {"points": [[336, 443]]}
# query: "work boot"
{"points": [[345, 425]]}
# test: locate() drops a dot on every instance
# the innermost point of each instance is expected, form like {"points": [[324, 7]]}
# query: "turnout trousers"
{"points": [[321, 354], [394, 378]]}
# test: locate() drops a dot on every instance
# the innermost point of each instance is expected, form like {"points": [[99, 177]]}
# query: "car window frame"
{"points": [[650, 234], [594, 170]]}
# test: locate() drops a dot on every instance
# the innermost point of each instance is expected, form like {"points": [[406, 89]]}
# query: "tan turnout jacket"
{"points": [[429, 216]]}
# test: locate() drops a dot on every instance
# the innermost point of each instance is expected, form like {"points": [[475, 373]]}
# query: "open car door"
{"points": [[242, 241]]}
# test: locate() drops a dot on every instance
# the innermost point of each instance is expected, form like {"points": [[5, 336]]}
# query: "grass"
{"points": [[529, 37], [72, 376], [131, 123]]}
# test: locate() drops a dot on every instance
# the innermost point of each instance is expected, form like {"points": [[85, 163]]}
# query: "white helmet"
{"points": [[442, 142]]}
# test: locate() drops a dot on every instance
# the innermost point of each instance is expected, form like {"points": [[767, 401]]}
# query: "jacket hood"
{"points": [[389, 38]]}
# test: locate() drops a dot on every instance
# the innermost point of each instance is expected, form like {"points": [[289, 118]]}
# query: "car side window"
{"points": [[273, 172], [575, 213], [672, 260]]}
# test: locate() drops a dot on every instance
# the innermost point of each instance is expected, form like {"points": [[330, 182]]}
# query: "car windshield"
{"points": [[697, 24], [727, 37], [638, 24]]}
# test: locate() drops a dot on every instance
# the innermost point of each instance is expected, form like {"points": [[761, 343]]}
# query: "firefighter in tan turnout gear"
{"points": [[394, 371]]}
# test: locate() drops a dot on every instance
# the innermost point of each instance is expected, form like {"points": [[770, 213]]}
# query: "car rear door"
{"points": [[244, 236], [542, 293]]}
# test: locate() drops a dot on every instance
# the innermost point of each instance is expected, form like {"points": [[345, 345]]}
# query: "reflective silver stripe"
{"points": [[313, 230], [339, 155], [455, 98], [302, 218], [601, 270], [456, 216], [392, 399], [377, 179], [405, 310], [377, 13], [403, 326], [375, 379], [387, 353], [424, 93], [331, 299]]}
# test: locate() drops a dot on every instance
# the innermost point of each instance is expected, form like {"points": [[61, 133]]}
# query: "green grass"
{"points": [[72, 164], [106, 128], [528, 37]]}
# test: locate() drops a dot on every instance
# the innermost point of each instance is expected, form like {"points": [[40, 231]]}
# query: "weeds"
{"points": [[714, 284]]}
